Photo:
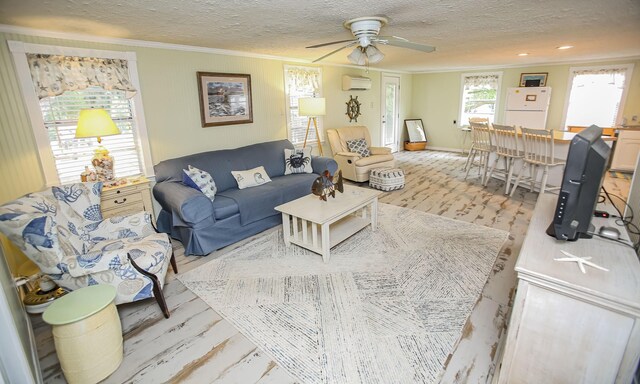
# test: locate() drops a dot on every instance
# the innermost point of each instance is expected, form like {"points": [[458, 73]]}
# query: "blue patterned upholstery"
{"points": [[63, 232]]}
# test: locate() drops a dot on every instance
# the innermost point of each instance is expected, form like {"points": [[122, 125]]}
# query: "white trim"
{"points": [[527, 65], [498, 90], [47, 162], [623, 98], [444, 149], [176, 47]]}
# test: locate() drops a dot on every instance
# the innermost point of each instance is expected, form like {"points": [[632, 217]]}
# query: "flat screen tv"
{"points": [[581, 182]]}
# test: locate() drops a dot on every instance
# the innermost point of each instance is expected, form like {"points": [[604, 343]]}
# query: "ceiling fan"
{"points": [[366, 30]]}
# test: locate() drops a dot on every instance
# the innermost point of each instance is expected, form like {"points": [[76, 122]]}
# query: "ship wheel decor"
{"points": [[353, 109]]}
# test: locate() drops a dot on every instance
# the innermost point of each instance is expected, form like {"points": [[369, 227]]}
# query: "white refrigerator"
{"points": [[527, 107]]}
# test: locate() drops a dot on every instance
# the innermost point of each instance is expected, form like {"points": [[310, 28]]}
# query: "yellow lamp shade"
{"points": [[311, 106], [95, 123]]}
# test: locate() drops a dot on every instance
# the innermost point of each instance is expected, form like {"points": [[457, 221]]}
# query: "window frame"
{"points": [[462, 124], [19, 52], [623, 97], [287, 98]]}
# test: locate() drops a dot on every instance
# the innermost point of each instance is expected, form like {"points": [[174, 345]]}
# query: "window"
{"points": [[301, 82], [57, 100], [596, 95], [479, 96], [71, 155]]}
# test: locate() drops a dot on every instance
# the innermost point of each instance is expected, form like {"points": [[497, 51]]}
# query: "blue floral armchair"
{"points": [[62, 230]]}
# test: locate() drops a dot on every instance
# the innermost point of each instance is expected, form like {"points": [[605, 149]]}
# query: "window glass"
{"points": [[71, 155], [595, 96], [479, 97]]}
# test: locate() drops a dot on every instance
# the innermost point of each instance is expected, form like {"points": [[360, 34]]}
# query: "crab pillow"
{"points": [[297, 161]]}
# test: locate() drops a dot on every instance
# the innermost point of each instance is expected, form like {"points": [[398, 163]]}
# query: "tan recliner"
{"points": [[353, 166]]}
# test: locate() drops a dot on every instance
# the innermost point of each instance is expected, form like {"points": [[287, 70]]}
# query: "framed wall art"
{"points": [[533, 79], [225, 98]]}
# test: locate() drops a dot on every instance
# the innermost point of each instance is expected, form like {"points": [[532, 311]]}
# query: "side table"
{"points": [[135, 196], [87, 333]]}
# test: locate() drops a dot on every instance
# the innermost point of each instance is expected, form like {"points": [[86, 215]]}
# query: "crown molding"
{"points": [[176, 47], [540, 64]]}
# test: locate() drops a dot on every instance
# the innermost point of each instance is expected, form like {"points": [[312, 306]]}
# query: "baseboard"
{"points": [[444, 149]]}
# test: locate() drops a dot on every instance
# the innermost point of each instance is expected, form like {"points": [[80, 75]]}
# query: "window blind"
{"points": [[301, 82], [60, 115]]}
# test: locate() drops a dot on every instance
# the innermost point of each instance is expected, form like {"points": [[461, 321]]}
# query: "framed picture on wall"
{"points": [[225, 98], [533, 79]]}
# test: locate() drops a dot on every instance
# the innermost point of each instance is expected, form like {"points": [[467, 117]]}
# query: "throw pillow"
{"points": [[297, 161], [251, 177], [200, 180], [359, 146]]}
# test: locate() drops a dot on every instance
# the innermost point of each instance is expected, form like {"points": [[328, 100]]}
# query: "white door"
{"points": [[390, 102]]}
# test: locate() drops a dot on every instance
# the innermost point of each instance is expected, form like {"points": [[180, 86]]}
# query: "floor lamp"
{"points": [[312, 107]]}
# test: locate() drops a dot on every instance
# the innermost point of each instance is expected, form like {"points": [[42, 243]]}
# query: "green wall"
{"points": [[436, 98], [170, 99]]}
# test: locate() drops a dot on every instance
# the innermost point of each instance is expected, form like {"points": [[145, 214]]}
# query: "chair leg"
{"points": [[543, 183], [467, 164], [493, 167], [511, 164], [515, 186], [157, 290], [534, 176], [485, 167], [472, 156]]}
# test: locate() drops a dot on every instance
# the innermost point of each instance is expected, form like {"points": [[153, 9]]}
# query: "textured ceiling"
{"points": [[466, 33]]}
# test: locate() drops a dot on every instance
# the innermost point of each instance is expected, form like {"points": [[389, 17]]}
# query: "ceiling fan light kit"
{"points": [[366, 30]]}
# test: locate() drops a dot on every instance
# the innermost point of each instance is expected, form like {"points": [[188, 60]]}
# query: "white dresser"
{"points": [[570, 327], [135, 196]]}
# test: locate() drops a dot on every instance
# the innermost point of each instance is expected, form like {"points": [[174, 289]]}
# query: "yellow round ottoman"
{"points": [[87, 333]]}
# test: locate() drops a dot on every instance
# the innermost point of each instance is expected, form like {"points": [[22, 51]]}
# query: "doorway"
{"points": [[390, 111]]}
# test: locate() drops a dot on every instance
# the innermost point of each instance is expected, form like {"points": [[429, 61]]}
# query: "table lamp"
{"points": [[312, 107], [97, 123]]}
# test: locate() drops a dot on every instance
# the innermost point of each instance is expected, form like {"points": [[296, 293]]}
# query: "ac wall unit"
{"points": [[352, 83]]}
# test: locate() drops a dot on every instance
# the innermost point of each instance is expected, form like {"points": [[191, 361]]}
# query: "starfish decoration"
{"points": [[581, 261]]}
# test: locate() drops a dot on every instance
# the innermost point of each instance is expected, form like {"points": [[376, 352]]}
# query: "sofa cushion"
{"points": [[297, 161], [258, 203], [224, 207], [373, 160], [251, 177], [359, 146]]}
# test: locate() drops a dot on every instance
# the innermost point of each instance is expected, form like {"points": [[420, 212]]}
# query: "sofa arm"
{"points": [[380, 150], [320, 164], [187, 204]]}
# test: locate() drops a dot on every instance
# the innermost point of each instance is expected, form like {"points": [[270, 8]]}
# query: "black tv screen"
{"points": [[581, 182]]}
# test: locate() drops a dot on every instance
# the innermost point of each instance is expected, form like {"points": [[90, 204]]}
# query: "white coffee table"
{"points": [[319, 225]]}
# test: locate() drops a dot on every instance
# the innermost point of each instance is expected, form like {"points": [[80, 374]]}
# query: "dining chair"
{"points": [[507, 148], [538, 152], [481, 147], [465, 130]]}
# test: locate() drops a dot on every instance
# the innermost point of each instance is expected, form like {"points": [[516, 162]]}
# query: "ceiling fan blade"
{"points": [[331, 43], [404, 43], [337, 50]]}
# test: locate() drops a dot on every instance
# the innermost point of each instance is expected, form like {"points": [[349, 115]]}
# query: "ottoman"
{"points": [[386, 179]]}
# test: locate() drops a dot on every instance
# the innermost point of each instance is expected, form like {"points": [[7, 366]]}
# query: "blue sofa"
{"points": [[204, 226]]}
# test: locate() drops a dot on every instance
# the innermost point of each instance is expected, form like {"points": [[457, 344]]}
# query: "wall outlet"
{"points": [[455, 122], [634, 118]]}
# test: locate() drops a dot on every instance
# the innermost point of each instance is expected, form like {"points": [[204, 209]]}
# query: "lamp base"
{"points": [[315, 125], [103, 164]]}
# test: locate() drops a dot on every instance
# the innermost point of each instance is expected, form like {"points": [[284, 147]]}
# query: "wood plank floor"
{"points": [[197, 346]]}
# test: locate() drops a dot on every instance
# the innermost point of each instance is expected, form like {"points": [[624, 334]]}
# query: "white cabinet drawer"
{"points": [[121, 200]]}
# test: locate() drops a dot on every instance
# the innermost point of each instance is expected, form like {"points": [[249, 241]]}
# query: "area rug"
{"points": [[389, 307]]}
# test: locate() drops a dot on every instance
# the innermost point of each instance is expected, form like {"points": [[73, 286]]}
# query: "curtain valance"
{"points": [[482, 80], [55, 74], [304, 80]]}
